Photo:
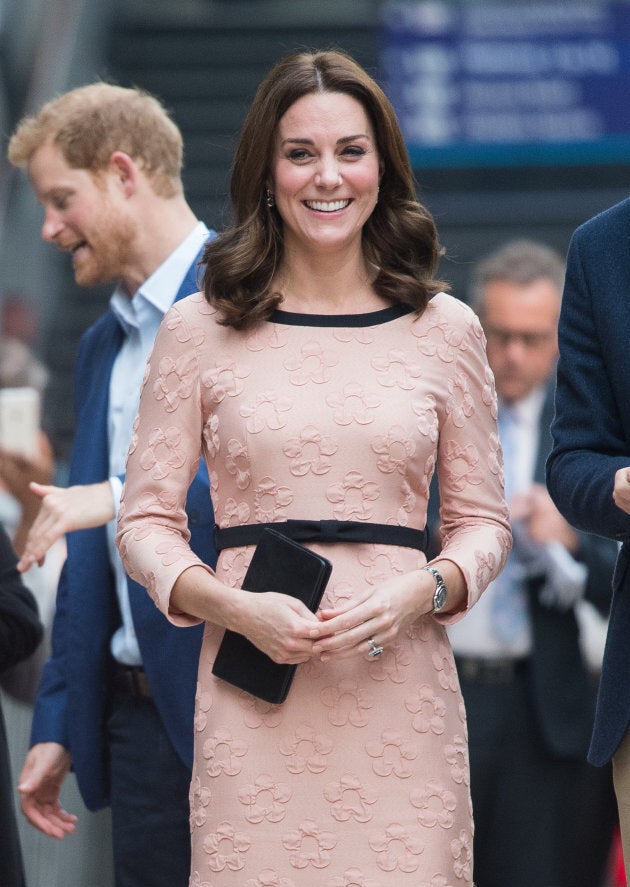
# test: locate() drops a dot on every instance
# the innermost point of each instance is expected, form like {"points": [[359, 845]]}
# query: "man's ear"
{"points": [[125, 171]]}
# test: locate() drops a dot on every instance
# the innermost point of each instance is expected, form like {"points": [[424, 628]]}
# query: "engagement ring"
{"points": [[375, 650]]}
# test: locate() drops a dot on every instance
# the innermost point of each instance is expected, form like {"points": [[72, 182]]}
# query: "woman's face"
{"points": [[326, 171]]}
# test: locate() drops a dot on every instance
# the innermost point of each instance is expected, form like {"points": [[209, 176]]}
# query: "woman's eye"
{"points": [[354, 151], [299, 154]]}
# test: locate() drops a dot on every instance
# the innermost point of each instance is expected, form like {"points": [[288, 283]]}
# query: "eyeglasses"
{"points": [[502, 338]]}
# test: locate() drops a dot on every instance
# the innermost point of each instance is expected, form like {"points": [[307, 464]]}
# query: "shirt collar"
{"points": [[159, 290], [527, 410]]}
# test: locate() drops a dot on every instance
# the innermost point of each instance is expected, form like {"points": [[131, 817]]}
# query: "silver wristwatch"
{"points": [[441, 593]]}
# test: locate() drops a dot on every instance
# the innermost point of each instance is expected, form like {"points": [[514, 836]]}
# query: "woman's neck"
{"points": [[333, 286]]}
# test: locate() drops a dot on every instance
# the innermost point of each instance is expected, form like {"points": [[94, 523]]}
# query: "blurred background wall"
{"points": [[493, 105]]}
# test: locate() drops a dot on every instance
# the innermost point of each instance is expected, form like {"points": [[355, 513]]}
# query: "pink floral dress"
{"points": [[359, 779]]}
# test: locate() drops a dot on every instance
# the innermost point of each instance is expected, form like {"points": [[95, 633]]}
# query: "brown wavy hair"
{"points": [[399, 238]]}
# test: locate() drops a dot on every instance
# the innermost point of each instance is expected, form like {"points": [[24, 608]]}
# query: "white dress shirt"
{"points": [[140, 318]]}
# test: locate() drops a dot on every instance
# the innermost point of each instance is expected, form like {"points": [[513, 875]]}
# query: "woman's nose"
{"points": [[328, 174]]}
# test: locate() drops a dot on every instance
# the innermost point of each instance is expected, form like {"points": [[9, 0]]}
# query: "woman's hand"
{"points": [[379, 613], [279, 625]]}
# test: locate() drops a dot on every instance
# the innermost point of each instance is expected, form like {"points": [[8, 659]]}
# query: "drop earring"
{"points": [[269, 198]]}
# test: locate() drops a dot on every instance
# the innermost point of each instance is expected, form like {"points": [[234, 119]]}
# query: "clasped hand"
{"points": [[284, 629]]}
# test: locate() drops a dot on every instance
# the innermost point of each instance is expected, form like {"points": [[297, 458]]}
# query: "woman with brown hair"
{"points": [[324, 376]]}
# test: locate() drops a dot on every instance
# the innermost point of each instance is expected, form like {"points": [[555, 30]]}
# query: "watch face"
{"points": [[439, 598]]}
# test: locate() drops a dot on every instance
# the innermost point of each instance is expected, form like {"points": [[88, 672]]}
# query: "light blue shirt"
{"points": [[140, 318]]}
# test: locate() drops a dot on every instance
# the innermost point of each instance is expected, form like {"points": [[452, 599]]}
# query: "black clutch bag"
{"points": [[283, 565]]}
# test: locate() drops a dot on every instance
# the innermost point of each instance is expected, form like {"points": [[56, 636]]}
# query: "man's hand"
{"points": [[64, 509], [544, 523], [621, 489], [47, 765]]}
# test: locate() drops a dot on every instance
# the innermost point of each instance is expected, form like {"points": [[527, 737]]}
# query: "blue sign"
{"points": [[498, 84]]}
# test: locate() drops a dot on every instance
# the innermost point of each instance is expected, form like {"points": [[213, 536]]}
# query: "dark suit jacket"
{"points": [[591, 433], [74, 692], [560, 684], [562, 691], [20, 633]]}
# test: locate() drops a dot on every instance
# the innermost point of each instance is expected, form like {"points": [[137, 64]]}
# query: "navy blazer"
{"points": [[561, 685], [72, 700], [591, 433]]}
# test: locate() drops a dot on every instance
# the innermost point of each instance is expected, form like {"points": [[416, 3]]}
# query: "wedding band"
{"points": [[375, 650]]}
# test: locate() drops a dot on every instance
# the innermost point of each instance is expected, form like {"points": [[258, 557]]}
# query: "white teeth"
{"points": [[327, 206]]}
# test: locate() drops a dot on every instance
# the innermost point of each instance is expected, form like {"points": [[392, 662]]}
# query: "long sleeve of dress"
{"points": [[318, 421]]}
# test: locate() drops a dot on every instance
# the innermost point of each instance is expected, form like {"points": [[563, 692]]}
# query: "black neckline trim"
{"points": [[371, 318]]}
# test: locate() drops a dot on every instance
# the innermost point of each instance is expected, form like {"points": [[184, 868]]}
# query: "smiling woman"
{"points": [[398, 236], [325, 182], [323, 378]]}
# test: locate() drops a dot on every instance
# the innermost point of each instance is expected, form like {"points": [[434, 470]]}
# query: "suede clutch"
{"points": [[283, 565]]}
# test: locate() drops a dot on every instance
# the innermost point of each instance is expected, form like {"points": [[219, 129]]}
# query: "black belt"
{"points": [[133, 679], [502, 670], [324, 531]]}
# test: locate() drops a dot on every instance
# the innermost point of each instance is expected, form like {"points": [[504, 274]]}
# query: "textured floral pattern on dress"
{"points": [[314, 364], [258, 712], [268, 410], [309, 845], [271, 500], [226, 848], [394, 450], [223, 753], [175, 382], [456, 755], [306, 750], [163, 453], [203, 704], [353, 877], [350, 798], [265, 799], [353, 404], [461, 848], [463, 465], [270, 878], [392, 665], [311, 451], [225, 380], [196, 880], [397, 849], [200, 797], [396, 370], [347, 703], [429, 710], [352, 497], [360, 778], [392, 754], [436, 805]]}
